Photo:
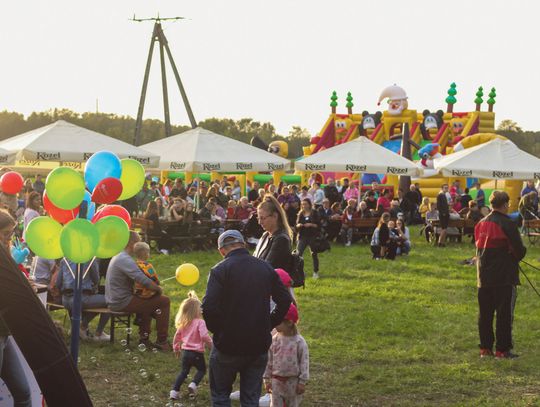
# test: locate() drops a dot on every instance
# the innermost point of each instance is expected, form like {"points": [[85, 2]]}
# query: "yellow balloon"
{"points": [[187, 274]]}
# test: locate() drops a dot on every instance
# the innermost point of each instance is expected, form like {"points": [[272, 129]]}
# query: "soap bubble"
{"points": [[141, 347], [123, 342], [135, 397], [155, 350], [158, 312], [135, 359], [156, 375], [144, 375], [128, 351], [129, 331]]}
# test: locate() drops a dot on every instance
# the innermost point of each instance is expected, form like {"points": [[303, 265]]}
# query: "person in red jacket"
{"points": [[498, 249]]}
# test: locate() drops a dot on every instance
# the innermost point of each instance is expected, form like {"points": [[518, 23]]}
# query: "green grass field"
{"points": [[380, 333]]}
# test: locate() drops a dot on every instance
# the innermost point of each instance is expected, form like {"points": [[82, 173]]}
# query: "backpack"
{"points": [[297, 270]]}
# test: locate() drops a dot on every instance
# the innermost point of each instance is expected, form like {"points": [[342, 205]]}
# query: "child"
{"points": [[191, 335], [231, 209], [424, 208], [285, 376], [142, 254]]}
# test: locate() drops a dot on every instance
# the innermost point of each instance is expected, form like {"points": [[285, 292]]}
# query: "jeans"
{"points": [[89, 301], [148, 309], [190, 359], [223, 371], [13, 374], [303, 243], [502, 301]]}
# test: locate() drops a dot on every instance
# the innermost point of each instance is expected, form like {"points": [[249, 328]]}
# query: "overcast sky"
{"points": [[275, 61]]}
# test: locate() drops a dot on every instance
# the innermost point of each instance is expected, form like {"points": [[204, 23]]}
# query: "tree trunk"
{"points": [[333, 110], [478, 107], [349, 110], [449, 108], [490, 108]]}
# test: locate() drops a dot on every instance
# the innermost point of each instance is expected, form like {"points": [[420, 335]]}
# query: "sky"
{"points": [[274, 61]]}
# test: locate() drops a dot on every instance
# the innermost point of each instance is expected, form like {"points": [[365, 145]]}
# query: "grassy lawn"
{"points": [[380, 333]]}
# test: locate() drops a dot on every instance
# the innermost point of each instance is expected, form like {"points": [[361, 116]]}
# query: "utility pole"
{"points": [[159, 36]]}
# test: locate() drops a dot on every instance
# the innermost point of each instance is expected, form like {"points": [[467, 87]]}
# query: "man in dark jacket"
{"points": [[498, 249], [331, 192], [444, 213], [236, 309]]}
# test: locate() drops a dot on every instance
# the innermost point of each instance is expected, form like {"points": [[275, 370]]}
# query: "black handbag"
{"points": [[320, 244]]}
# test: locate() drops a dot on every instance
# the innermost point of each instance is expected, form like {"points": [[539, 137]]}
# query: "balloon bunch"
{"points": [[74, 229]]}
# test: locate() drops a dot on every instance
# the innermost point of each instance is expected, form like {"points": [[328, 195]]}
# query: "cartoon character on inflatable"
{"points": [[278, 147], [369, 121], [428, 153], [432, 121], [397, 99]]}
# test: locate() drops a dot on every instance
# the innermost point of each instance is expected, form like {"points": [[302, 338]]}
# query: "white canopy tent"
{"points": [[65, 142], [359, 155], [7, 157], [200, 150], [497, 159]]}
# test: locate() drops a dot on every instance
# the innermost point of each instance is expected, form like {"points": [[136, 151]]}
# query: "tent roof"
{"points": [[202, 150], [359, 155], [497, 159], [63, 141]]}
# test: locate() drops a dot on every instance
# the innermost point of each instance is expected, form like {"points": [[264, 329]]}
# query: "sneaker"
{"points": [[103, 337], [174, 395], [264, 401], [485, 353], [164, 251], [347, 244], [163, 346], [192, 390], [315, 275], [235, 395], [84, 334], [505, 355]]}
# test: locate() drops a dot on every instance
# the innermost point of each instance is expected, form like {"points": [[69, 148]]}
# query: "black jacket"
{"points": [[275, 249], [442, 204], [331, 192], [498, 249], [236, 306], [307, 233]]}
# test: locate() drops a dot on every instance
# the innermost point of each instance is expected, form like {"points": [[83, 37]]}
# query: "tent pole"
{"points": [[76, 315], [161, 39]]}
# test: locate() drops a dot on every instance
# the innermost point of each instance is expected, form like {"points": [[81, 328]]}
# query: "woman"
{"points": [[162, 213], [164, 241], [382, 245], [176, 211], [33, 205], [347, 221], [237, 190], [275, 244], [404, 237], [190, 215], [11, 370], [308, 224], [383, 203]]}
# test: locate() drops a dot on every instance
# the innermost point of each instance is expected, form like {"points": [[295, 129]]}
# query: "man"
{"points": [[144, 196], [178, 190], [499, 250], [480, 196], [253, 193], [411, 203], [318, 195], [122, 273], [331, 191], [236, 309], [244, 210], [529, 187], [444, 214], [38, 185]]}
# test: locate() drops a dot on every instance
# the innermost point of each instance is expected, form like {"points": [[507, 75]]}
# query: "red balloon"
{"points": [[11, 182], [60, 215], [113, 210], [107, 190]]}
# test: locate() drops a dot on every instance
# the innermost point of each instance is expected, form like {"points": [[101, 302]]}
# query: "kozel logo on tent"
{"points": [[142, 160], [462, 173], [355, 168], [3, 158], [211, 167], [48, 156], [177, 166], [275, 167], [315, 167], [536, 175], [395, 170], [503, 174], [244, 166]]}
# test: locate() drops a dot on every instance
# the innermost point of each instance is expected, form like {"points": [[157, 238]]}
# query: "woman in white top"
{"points": [[405, 236], [33, 206]]}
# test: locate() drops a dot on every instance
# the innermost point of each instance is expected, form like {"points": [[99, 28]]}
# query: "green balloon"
{"points": [[132, 178], [113, 234], [43, 237], [65, 188], [79, 240]]}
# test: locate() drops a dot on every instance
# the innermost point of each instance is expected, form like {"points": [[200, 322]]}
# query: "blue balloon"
{"points": [[90, 206], [101, 165], [19, 254]]}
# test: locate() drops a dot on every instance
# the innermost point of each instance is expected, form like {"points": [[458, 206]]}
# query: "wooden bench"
{"points": [[532, 229], [463, 226], [118, 319], [364, 227]]}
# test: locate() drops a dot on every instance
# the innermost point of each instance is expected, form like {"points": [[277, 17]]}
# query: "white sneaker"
{"points": [[164, 251], [101, 338], [315, 275], [174, 395], [347, 244], [264, 401], [84, 334], [192, 390], [235, 395]]}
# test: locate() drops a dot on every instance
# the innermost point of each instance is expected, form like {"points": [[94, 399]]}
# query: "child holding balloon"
{"points": [[191, 337]]}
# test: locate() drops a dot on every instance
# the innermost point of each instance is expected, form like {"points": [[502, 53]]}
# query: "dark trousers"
{"points": [[190, 359], [303, 243], [391, 249], [499, 300], [223, 371], [148, 308]]}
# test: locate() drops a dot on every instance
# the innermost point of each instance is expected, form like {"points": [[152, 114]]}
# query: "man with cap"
{"points": [[236, 308]]}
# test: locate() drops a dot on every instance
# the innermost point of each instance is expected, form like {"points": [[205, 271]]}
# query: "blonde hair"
{"points": [[141, 248], [189, 310], [292, 329], [271, 205]]}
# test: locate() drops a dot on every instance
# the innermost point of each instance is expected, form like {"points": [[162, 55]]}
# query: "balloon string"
{"points": [[69, 268], [167, 279], [88, 268]]}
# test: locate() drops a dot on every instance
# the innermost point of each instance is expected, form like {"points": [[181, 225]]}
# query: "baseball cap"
{"points": [[234, 236], [292, 314], [285, 277]]}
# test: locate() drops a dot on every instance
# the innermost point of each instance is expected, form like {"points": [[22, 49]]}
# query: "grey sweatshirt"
{"points": [[121, 275]]}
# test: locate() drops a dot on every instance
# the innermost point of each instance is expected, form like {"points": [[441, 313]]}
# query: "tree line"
{"points": [[123, 127]]}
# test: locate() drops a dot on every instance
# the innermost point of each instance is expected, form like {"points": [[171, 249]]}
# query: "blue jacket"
{"points": [[66, 282], [236, 306]]}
